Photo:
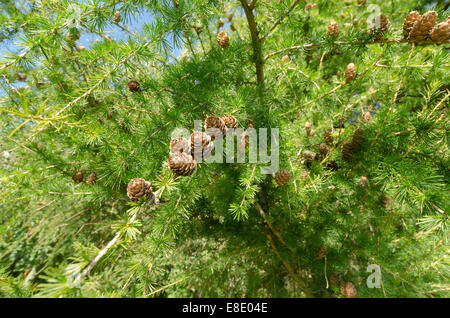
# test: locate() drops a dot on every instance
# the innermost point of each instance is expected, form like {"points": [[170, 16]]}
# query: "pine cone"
{"points": [[382, 23], [285, 58], [223, 39], [230, 121], [334, 280], [180, 144], [333, 29], [215, 122], [230, 16], [358, 139], [21, 76], [408, 24], [308, 126], [422, 28], [310, 6], [441, 32], [92, 178], [282, 177], [117, 17], [182, 164], [363, 182], [139, 188], [328, 137], [220, 23], [309, 155], [322, 252], [348, 290], [133, 86], [232, 27], [366, 117], [350, 73], [201, 145], [78, 177], [323, 148], [347, 151]]}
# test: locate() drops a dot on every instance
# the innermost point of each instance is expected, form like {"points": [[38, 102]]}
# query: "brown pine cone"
{"points": [[322, 252], [323, 148], [230, 16], [422, 28], [117, 17], [347, 151], [408, 24], [223, 39], [350, 73], [215, 122], [232, 27], [382, 23], [363, 182], [358, 139], [180, 144], [441, 32], [310, 6], [348, 290], [366, 117], [21, 76], [220, 23], [133, 86], [308, 126], [334, 280], [333, 30], [78, 177], [311, 132], [282, 177], [182, 164], [92, 178], [309, 155], [138, 189], [328, 137], [230, 121], [201, 145]]}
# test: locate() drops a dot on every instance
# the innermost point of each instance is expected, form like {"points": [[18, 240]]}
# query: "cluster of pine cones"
{"points": [[78, 177], [184, 153], [416, 28], [419, 28]]}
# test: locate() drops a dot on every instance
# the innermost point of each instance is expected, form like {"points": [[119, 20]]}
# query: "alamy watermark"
{"points": [[236, 141]]}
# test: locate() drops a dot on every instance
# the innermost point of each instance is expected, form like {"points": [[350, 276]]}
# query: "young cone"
{"points": [[223, 39], [441, 33], [408, 24], [182, 164], [282, 177], [422, 28], [138, 189]]}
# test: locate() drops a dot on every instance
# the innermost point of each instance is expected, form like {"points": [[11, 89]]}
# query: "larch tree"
{"points": [[101, 198]]}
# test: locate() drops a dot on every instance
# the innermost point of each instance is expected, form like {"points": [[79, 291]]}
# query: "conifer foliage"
{"points": [[98, 200]]}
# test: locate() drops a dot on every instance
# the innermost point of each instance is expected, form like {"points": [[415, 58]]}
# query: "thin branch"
{"points": [[256, 43], [115, 240], [293, 5]]}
